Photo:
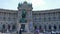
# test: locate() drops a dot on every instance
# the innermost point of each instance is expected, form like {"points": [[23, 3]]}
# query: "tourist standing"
{"points": [[20, 32], [37, 31]]}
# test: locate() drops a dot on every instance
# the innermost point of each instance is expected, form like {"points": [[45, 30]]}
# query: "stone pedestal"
{"points": [[27, 28]]}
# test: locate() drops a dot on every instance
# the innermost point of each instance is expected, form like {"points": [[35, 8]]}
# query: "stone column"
{"points": [[18, 27], [6, 27], [10, 27], [27, 28], [47, 27]]}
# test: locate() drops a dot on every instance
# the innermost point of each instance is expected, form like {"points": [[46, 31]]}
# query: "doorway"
{"points": [[23, 27]]}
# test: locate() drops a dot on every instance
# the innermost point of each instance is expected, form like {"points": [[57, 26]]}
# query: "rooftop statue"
{"points": [[25, 2], [19, 5]]}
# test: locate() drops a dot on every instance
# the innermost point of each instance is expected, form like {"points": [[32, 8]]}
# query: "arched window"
{"points": [[40, 27], [49, 26], [13, 27], [45, 27], [35, 27], [55, 27], [8, 26], [23, 27], [59, 26], [3, 26]]}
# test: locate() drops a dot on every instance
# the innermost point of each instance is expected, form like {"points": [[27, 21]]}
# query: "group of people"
{"points": [[36, 31], [20, 31]]}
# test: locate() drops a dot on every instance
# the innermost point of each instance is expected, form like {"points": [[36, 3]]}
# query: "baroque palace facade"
{"points": [[27, 20]]}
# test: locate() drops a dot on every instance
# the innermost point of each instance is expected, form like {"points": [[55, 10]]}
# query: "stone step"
{"points": [[27, 33]]}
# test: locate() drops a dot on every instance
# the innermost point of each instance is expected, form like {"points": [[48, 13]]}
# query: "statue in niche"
{"points": [[23, 13], [23, 20]]}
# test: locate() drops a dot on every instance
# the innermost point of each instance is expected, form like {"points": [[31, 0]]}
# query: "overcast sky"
{"points": [[37, 4]]}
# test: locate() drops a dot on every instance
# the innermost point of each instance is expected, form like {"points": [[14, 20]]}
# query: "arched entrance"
{"points": [[23, 27]]}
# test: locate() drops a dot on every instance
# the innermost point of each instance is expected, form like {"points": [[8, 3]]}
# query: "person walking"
{"points": [[37, 31], [20, 32]]}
